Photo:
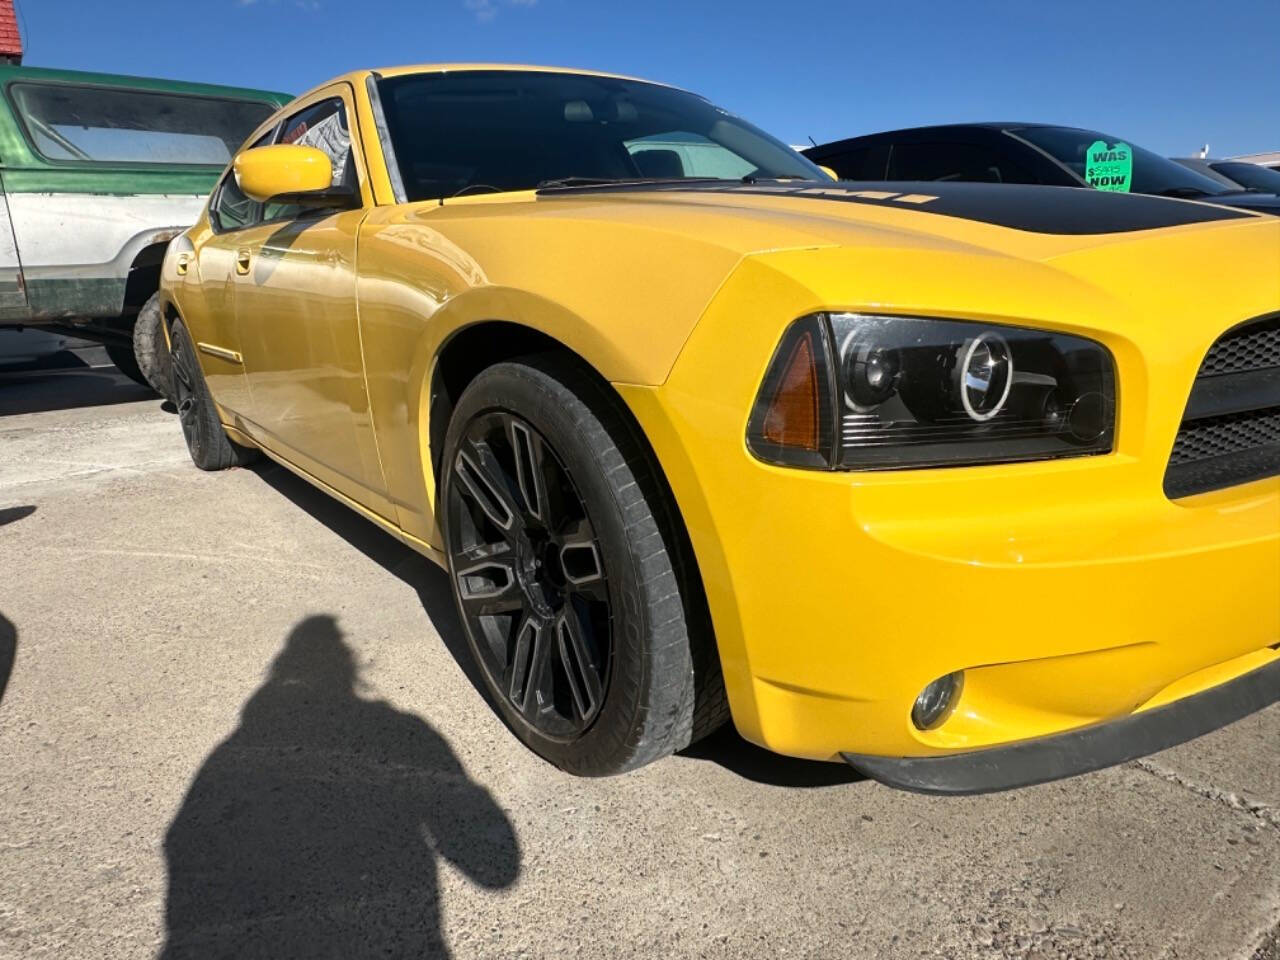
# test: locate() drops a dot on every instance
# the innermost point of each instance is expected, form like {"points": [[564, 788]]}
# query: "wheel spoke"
{"points": [[485, 481], [489, 587], [531, 475], [579, 664], [527, 667], [180, 370]]}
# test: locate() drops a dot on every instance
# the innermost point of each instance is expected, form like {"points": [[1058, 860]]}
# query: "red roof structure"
{"points": [[10, 38]]}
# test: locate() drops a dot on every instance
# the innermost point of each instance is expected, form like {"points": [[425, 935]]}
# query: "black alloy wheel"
{"points": [[529, 575]]}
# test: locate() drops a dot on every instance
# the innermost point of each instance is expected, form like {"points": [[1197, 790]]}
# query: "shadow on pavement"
{"points": [[13, 514], [427, 579], [725, 747], [73, 378], [8, 651], [8, 632], [315, 829]]}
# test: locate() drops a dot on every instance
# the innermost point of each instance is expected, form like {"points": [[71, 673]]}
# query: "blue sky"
{"points": [[1160, 73]]}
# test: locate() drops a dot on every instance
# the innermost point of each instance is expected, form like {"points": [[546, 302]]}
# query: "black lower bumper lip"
{"points": [[1102, 745]]}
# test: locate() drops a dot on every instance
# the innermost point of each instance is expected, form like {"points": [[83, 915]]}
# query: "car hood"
{"points": [[1103, 262], [1029, 222], [621, 274]]}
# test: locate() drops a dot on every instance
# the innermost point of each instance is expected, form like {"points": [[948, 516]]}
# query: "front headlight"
{"points": [[857, 391]]}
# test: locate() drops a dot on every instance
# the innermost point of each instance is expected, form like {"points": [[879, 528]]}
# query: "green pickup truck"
{"points": [[97, 174]]}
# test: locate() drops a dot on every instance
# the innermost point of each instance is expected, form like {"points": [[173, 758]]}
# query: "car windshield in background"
{"points": [[1108, 163], [1251, 176], [487, 131], [115, 125]]}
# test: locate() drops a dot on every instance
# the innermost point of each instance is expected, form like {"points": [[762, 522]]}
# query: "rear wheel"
{"points": [[563, 561], [150, 351], [207, 441], [121, 354]]}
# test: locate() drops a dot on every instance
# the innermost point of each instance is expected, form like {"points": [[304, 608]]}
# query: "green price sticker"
{"points": [[1109, 168]]}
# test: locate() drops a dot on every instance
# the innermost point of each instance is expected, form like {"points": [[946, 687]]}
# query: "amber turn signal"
{"points": [[792, 416], [791, 421]]}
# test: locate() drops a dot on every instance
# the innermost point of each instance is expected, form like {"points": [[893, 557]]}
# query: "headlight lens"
{"points": [[879, 392]]}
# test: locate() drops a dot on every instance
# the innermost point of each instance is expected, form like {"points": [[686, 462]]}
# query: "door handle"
{"points": [[242, 261]]}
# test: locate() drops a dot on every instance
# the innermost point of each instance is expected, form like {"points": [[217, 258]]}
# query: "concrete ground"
{"points": [[240, 723]]}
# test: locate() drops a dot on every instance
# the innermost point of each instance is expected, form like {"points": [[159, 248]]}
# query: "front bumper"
{"points": [[1071, 593], [1080, 751]]}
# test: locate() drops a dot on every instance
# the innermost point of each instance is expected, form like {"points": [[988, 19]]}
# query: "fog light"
{"points": [[936, 701]]}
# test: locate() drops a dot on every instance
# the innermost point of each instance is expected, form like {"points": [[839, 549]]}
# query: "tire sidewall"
{"points": [[540, 400], [149, 348]]}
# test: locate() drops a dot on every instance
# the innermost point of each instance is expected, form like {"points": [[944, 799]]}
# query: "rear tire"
{"points": [[121, 354], [594, 569], [207, 441], [150, 350]]}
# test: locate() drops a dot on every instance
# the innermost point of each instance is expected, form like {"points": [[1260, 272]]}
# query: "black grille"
{"points": [[1255, 346], [1230, 432], [1217, 436]]}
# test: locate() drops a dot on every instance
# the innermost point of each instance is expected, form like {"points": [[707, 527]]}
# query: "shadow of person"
{"points": [[8, 651], [314, 830]]}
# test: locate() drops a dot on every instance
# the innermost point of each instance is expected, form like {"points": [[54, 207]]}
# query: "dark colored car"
{"points": [[1026, 153], [1235, 174]]}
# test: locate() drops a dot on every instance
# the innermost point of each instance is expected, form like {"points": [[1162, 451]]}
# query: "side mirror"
{"points": [[291, 174], [827, 170]]}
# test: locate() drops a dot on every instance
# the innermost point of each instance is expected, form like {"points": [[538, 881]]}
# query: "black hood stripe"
{"points": [[1055, 210]]}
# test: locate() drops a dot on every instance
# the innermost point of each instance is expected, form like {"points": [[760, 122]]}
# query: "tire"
{"points": [[207, 441], [121, 354], [612, 668], [150, 350]]}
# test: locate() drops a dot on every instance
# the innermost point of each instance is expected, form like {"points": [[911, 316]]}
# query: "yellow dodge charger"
{"points": [[971, 486]]}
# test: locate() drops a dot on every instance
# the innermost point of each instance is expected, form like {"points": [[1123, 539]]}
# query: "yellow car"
{"points": [[972, 486]]}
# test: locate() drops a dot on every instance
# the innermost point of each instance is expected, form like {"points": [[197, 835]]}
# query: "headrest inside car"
{"points": [[661, 164], [578, 111]]}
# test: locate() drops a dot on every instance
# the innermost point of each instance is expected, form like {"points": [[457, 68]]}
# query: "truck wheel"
{"points": [[121, 354], [207, 442], [566, 564], [150, 350]]}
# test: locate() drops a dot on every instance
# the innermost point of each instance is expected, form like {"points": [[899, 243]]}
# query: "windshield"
{"points": [[1108, 163], [1251, 176], [496, 130]]}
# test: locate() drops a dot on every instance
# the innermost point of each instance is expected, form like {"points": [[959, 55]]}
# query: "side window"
{"points": [[955, 161], [860, 163], [231, 209], [324, 126]]}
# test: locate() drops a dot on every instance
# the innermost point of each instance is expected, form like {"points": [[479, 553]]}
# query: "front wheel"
{"points": [[563, 561]]}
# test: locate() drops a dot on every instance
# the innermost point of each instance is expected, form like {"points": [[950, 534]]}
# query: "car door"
{"points": [[295, 307], [13, 295], [217, 336]]}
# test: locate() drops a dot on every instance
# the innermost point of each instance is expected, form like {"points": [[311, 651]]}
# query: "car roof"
{"points": [[12, 72], [995, 125], [357, 77], [510, 67]]}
